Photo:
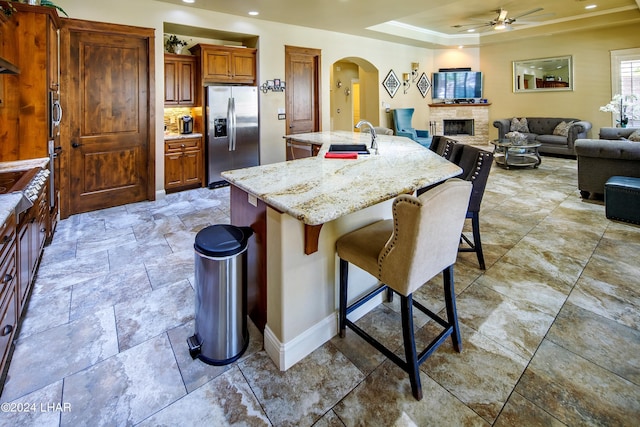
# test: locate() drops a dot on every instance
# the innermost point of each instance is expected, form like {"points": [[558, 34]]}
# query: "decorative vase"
{"points": [[623, 122], [177, 49]]}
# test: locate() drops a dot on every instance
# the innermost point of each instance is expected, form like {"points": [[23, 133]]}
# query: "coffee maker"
{"points": [[186, 124]]}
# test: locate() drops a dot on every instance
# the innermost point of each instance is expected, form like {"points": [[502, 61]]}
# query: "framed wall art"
{"points": [[424, 85], [391, 83]]}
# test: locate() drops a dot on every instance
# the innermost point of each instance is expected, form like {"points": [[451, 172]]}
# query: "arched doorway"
{"points": [[354, 93]]}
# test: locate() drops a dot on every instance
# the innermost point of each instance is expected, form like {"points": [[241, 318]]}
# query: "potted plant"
{"points": [[624, 106], [174, 45], [9, 9], [51, 4]]}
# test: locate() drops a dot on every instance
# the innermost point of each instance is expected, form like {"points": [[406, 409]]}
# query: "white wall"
{"points": [[273, 38]]}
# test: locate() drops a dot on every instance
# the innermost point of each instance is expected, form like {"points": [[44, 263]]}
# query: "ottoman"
{"points": [[622, 199]]}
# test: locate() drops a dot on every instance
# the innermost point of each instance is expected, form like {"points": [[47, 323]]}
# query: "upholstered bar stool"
{"points": [[404, 253]]}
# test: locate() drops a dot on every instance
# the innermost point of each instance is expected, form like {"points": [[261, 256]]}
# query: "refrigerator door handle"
{"points": [[230, 122], [234, 123]]}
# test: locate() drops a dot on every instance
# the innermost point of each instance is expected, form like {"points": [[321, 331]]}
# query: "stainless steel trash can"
{"points": [[221, 333]]}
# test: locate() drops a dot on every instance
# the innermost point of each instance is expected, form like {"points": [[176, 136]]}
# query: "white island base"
{"points": [[302, 290]]}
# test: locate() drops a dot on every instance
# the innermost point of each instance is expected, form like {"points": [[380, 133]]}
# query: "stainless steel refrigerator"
{"points": [[233, 137]]}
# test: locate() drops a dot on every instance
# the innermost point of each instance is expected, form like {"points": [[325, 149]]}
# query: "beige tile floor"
{"points": [[551, 330]]}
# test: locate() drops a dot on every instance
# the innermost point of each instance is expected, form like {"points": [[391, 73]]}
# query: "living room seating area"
{"points": [[557, 135], [600, 159]]}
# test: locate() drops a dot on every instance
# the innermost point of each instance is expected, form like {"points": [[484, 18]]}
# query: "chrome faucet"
{"points": [[374, 144]]}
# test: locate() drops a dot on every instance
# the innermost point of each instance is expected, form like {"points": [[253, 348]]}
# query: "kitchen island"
{"points": [[298, 210]]}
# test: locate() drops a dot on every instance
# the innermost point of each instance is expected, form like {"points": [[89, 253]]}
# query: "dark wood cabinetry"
{"points": [[35, 35], [32, 228], [29, 123], [183, 164], [180, 80], [224, 64], [22, 237], [8, 280]]}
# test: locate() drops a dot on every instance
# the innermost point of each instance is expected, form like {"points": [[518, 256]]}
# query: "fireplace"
{"points": [[458, 127], [478, 113]]}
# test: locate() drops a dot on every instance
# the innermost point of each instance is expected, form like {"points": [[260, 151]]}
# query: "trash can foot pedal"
{"points": [[194, 346]]}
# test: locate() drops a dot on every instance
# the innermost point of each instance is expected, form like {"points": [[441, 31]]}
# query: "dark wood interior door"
{"points": [[110, 149], [302, 68]]}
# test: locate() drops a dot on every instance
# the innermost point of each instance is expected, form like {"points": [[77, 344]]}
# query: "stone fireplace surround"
{"points": [[479, 113]]}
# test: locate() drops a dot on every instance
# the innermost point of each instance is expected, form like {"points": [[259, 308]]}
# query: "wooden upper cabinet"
{"points": [[36, 55], [53, 57], [224, 64], [180, 80]]}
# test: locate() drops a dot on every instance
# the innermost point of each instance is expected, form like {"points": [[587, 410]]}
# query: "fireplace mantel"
{"points": [[460, 105]]}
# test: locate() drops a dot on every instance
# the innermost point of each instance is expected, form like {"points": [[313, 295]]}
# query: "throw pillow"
{"points": [[562, 129], [635, 136], [519, 125]]}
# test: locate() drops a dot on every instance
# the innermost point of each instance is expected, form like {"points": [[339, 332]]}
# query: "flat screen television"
{"points": [[457, 85]]}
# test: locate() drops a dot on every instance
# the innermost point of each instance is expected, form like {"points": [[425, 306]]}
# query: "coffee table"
{"points": [[508, 154]]}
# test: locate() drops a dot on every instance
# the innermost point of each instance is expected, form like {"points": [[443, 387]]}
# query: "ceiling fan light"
{"points": [[500, 26]]}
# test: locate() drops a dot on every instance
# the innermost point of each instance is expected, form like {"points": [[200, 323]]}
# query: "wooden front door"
{"points": [[302, 70], [110, 133]]}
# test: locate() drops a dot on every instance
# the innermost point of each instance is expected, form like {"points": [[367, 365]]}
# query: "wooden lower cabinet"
{"points": [[300, 150], [243, 213], [31, 237], [22, 238], [8, 303], [183, 164]]}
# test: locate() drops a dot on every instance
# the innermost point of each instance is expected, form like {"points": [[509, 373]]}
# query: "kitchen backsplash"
{"points": [[172, 116]]}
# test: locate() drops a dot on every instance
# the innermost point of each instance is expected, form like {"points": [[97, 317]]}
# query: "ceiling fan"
{"points": [[501, 22]]}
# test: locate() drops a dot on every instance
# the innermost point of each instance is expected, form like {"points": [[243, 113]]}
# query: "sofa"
{"points": [[541, 130], [617, 133], [600, 159]]}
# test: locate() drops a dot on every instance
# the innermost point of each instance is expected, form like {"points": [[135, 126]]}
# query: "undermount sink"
{"points": [[349, 148]]}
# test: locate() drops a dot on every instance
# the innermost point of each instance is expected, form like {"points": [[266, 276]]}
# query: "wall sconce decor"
{"points": [[391, 83], [338, 84], [275, 85], [406, 82], [424, 85], [414, 71], [347, 91]]}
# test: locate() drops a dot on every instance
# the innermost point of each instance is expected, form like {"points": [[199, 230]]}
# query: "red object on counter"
{"points": [[341, 156]]}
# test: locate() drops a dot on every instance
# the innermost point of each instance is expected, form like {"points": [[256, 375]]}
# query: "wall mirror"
{"points": [[543, 74]]}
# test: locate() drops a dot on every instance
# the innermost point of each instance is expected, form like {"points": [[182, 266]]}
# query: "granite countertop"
{"points": [[316, 190], [174, 136], [8, 202], [21, 165]]}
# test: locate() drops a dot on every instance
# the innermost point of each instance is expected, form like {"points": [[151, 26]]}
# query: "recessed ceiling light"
{"points": [[460, 47], [189, 1], [254, 13], [471, 30], [591, 6]]}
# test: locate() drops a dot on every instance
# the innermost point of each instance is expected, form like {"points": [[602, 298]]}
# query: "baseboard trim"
{"points": [[285, 355]]}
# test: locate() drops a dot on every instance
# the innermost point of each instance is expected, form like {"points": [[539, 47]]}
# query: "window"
{"points": [[625, 76]]}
